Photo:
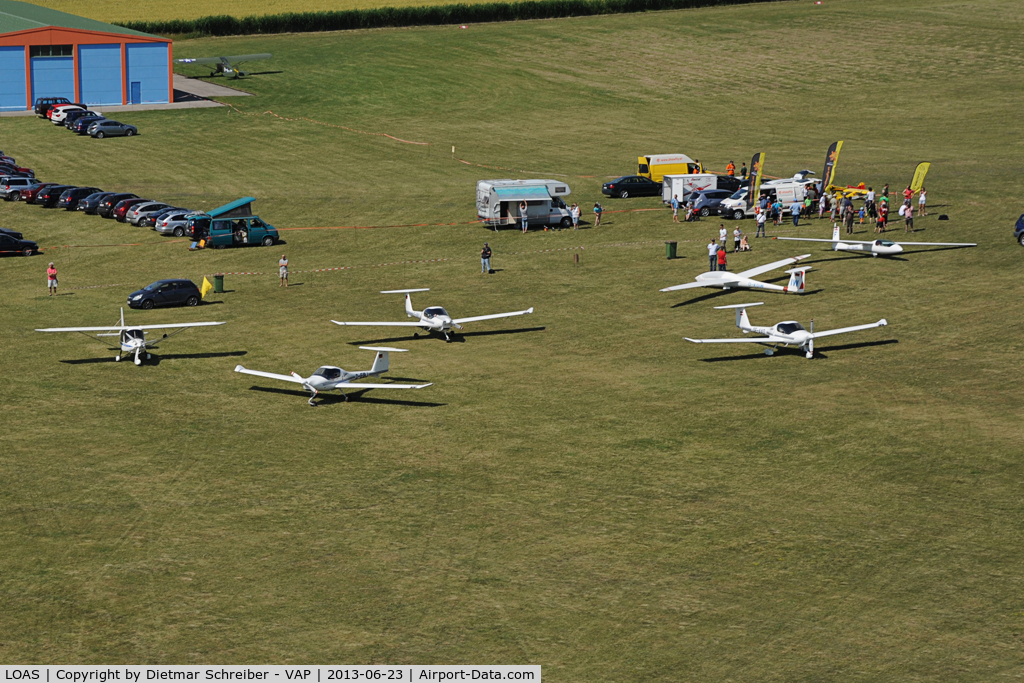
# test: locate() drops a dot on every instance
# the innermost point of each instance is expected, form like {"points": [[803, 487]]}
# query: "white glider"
{"points": [[874, 247], [726, 280], [433, 318], [132, 338], [331, 378], [787, 333]]}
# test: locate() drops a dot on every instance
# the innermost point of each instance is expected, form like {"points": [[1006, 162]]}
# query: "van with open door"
{"points": [[232, 225]]}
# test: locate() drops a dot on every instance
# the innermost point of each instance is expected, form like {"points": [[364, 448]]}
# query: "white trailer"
{"points": [[683, 184], [498, 202]]}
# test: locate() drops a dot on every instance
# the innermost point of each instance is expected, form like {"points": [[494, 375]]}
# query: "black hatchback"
{"points": [[106, 206], [631, 186], [166, 293], [49, 197], [69, 200], [15, 245]]}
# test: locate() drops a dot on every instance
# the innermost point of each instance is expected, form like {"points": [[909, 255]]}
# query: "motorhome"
{"points": [[683, 184], [498, 202], [657, 166]]}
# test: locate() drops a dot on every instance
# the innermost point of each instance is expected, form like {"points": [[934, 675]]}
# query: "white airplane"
{"points": [[132, 338], [434, 318], [725, 280], [227, 66], [874, 247], [330, 378], [786, 333]]}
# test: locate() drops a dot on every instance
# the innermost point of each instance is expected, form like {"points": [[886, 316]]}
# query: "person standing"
{"points": [[908, 219], [743, 171], [921, 202], [730, 168], [762, 222], [712, 255], [723, 234], [485, 259], [598, 210], [737, 235], [794, 211], [822, 202], [848, 218], [697, 167], [282, 270], [675, 208], [524, 216], [51, 279], [721, 259], [885, 192], [907, 195]]}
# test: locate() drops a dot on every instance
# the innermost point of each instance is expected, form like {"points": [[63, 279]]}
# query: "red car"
{"points": [[122, 208], [9, 169], [30, 192]]}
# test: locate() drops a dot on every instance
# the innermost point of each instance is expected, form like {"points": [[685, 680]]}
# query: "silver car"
{"points": [[173, 224], [108, 129], [137, 213], [11, 187]]}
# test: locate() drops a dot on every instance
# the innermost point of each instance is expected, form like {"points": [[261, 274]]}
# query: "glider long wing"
{"points": [[753, 272], [270, 375], [694, 285], [902, 244], [118, 328], [842, 330], [492, 317]]}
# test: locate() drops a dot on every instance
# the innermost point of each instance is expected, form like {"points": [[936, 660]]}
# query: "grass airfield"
{"points": [[580, 488]]}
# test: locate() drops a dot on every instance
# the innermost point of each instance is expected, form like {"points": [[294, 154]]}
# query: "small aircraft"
{"points": [[331, 378], [227, 66], [725, 280], [785, 333], [874, 247], [132, 338], [434, 318]]}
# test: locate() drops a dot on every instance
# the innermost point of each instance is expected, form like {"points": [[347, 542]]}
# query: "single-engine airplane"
{"points": [[331, 378], [132, 338], [227, 66], [787, 333], [874, 247], [434, 318], [725, 280]]}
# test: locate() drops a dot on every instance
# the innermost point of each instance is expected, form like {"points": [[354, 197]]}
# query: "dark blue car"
{"points": [[166, 293]]}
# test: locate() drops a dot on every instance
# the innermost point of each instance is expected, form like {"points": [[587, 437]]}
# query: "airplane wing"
{"points": [[348, 385], [419, 324], [236, 59], [690, 285], [772, 266], [118, 328], [738, 340], [459, 321], [113, 328], [937, 244], [270, 375], [828, 333], [198, 60], [814, 239]]}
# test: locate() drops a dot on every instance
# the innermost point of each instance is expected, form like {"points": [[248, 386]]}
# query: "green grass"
{"points": [[594, 496]]}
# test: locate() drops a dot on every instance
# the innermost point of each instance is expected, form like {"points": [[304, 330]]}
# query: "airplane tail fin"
{"points": [[122, 316], [742, 321], [408, 306], [835, 232], [381, 361], [797, 277]]}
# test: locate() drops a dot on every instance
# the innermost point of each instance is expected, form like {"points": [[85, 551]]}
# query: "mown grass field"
{"points": [[580, 488]]}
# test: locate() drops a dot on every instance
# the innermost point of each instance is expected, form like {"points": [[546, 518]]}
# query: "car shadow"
{"points": [[357, 396]]}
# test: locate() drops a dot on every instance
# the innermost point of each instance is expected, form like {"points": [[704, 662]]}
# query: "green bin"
{"points": [[218, 283], [670, 250]]}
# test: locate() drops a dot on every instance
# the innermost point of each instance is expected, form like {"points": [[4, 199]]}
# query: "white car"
{"points": [[173, 224], [61, 112], [135, 214]]}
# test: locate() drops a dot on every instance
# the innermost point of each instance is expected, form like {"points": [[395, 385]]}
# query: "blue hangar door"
{"points": [[53, 77], [99, 73], [12, 78], [147, 66]]}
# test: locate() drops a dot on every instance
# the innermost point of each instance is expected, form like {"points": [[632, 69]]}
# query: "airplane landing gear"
{"points": [[117, 359], [148, 356], [311, 397], [769, 352]]}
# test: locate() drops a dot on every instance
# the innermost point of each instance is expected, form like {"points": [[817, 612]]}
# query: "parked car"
{"points": [[43, 104], [631, 186], [235, 232], [121, 210], [92, 202], [730, 183], [75, 114], [165, 293], [708, 201], [54, 108], [82, 123], [109, 129], [11, 187], [58, 113], [49, 197], [69, 200], [11, 233], [29, 194], [14, 245], [174, 223], [135, 214], [1018, 231], [11, 169], [151, 219], [106, 205]]}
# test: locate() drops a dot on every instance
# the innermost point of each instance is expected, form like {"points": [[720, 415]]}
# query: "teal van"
{"points": [[232, 225]]}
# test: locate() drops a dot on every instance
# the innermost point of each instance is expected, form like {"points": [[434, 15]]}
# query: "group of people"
{"points": [[574, 212], [716, 248]]}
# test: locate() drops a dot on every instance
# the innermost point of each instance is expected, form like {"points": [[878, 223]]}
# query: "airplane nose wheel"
{"points": [[311, 397], [117, 359], [769, 352]]}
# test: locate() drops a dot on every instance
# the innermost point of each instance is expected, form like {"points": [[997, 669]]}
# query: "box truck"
{"points": [[656, 166], [498, 202]]}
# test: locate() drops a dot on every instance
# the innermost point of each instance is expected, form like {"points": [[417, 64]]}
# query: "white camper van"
{"points": [[683, 184], [497, 202], [787, 190]]}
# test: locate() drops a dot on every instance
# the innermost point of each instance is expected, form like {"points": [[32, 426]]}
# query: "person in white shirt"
{"points": [[737, 235], [762, 220], [575, 216], [723, 234], [712, 255], [282, 270], [921, 204]]}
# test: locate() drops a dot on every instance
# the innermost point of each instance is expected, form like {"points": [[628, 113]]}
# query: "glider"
{"points": [[725, 280], [874, 247]]}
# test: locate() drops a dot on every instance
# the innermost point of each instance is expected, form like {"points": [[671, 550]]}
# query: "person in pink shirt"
{"points": [[51, 279]]}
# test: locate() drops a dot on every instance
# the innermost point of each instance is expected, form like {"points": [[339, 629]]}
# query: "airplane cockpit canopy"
{"points": [[789, 328], [132, 334], [328, 372], [434, 311], [884, 243]]}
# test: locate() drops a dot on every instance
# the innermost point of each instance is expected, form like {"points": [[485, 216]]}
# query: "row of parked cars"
{"points": [[80, 119], [12, 241]]}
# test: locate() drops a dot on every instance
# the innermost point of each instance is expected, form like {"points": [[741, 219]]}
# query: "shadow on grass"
{"points": [[456, 337], [723, 292], [354, 396], [794, 351], [155, 360]]}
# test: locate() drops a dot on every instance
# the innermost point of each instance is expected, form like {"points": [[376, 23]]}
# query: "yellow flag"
{"points": [[206, 287], [919, 174]]}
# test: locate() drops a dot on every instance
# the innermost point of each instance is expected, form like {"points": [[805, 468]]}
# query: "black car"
{"points": [[70, 198], [92, 202], [730, 183], [11, 169], [107, 205], [631, 186], [15, 245], [49, 197], [166, 293], [69, 119], [708, 201], [43, 104], [82, 123], [1018, 230], [11, 233]]}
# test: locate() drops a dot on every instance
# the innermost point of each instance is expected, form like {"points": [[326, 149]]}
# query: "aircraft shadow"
{"points": [[713, 295], [155, 360], [331, 398], [794, 351], [456, 337], [852, 256]]}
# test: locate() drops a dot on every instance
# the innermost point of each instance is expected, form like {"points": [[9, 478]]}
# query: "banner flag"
{"points": [[919, 174], [756, 171], [207, 286], [831, 158]]}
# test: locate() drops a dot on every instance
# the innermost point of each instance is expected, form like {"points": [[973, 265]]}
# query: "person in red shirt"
{"points": [[721, 259], [51, 279], [907, 194]]}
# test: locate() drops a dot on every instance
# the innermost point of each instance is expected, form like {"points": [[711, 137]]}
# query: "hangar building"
{"points": [[46, 53]]}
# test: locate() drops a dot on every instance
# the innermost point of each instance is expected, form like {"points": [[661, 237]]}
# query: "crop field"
{"points": [[580, 488]]}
